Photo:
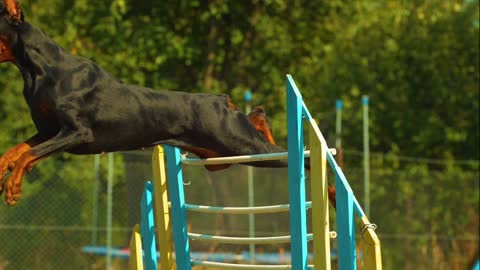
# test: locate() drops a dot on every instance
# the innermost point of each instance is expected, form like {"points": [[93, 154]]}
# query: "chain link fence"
{"points": [[427, 214]]}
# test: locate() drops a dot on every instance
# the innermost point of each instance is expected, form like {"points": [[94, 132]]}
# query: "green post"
{"points": [[366, 155], [251, 189], [96, 168], [338, 133], [109, 210]]}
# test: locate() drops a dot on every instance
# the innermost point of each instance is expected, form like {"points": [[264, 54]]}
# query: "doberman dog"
{"points": [[79, 108]]}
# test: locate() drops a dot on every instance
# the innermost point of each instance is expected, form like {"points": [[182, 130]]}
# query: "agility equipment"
{"points": [[168, 218]]}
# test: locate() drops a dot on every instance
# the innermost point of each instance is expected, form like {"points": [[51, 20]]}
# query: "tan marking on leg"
{"points": [[9, 159], [13, 185]]}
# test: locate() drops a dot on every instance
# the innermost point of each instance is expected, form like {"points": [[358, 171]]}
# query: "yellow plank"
{"points": [[371, 248], [162, 215], [319, 186], [136, 258]]}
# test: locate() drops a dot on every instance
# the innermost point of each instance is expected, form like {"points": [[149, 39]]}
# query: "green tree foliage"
{"points": [[417, 60]]}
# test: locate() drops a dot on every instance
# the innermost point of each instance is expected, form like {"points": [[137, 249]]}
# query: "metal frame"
{"points": [[347, 205]]}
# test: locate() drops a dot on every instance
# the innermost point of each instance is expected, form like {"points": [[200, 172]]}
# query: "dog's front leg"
{"points": [[25, 162], [9, 159]]}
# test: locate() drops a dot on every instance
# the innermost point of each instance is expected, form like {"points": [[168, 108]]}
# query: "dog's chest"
{"points": [[43, 113]]}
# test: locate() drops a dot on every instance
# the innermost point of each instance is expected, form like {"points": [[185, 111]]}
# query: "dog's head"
{"points": [[11, 17]]}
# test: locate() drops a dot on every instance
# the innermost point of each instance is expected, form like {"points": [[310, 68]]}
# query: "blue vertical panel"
{"points": [[177, 199], [147, 228], [336, 168], [345, 223], [296, 177]]}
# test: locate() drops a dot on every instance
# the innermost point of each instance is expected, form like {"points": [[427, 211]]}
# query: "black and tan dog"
{"points": [[79, 108]]}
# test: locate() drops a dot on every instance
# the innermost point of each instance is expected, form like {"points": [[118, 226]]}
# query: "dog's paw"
{"points": [[12, 194], [13, 189], [4, 167], [11, 201]]}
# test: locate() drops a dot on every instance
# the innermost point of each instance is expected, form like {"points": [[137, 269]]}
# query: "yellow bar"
{"points": [[371, 248], [136, 258], [319, 184], [162, 215]]}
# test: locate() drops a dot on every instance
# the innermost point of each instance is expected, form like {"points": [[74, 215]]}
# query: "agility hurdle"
{"points": [[171, 216]]}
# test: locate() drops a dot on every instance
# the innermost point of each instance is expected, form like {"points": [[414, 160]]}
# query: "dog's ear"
{"points": [[13, 12]]}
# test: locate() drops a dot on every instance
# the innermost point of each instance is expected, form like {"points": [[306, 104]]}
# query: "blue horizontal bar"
{"points": [[102, 251], [217, 256]]}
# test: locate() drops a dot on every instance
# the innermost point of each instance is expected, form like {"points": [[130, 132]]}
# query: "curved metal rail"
{"points": [[241, 210], [240, 159], [218, 265]]}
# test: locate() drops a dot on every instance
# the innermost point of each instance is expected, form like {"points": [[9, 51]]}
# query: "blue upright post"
{"points": [[345, 223], [177, 199], [296, 177], [147, 228], [477, 265]]}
